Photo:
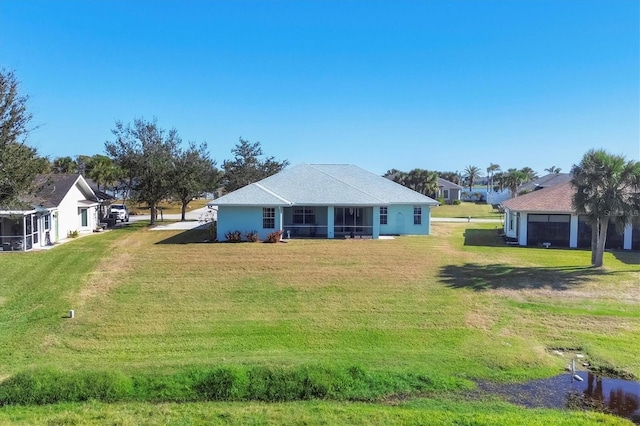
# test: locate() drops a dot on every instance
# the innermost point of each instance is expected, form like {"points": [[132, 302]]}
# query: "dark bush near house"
{"points": [[274, 237], [457, 202], [233, 236], [252, 236]]}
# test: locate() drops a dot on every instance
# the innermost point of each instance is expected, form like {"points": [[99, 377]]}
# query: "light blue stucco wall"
{"points": [[400, 221], [244, 219]]}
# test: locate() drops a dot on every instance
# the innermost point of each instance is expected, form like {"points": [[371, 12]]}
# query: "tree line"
{"points": [[426, 181], [153, 164]]}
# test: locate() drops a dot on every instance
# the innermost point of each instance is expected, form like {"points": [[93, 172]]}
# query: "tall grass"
{"points": [[268, 384]]}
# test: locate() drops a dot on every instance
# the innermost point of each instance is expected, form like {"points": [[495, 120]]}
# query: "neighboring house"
{"points": [[448, 190], [324, 200], [63, 204], [103, 197], [546, 217], [552, 179]]}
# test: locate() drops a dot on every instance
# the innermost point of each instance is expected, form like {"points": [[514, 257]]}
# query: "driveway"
{"points": [[194, 219]]}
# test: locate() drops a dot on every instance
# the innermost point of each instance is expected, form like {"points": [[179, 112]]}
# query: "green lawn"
{"points": [[453, 307], [466, 209]]}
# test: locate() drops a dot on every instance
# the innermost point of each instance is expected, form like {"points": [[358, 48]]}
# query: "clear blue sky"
{"points": [[381, 84]]}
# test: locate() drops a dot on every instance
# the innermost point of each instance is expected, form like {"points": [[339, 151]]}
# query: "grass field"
{"points": [[466, 209], [454, 307]]}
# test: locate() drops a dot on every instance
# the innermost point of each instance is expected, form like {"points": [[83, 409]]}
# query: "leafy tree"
{"points": [[147, 155], [247, 167], [553, 169], [19, 163], [607, 189], [196, 173], [64, 165], [471, 175]]}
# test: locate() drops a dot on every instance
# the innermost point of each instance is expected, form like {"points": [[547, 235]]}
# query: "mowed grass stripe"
{"points": [[387, 304]]}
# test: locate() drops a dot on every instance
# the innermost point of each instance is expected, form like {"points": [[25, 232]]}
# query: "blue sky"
{"points": [[438, 85]]}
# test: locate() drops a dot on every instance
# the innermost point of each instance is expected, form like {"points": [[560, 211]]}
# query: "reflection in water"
{"points": [[614, 396], [620, 397]]}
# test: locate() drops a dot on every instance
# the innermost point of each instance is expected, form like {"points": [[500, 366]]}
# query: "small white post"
{"points": [[72, 313]]}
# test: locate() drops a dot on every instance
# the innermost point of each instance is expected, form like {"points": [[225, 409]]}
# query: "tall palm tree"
{"points": [[491, 170], [607, 190], [553, 169]]}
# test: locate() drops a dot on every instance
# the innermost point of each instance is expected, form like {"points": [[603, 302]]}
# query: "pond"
{"points": [[614, 396]]}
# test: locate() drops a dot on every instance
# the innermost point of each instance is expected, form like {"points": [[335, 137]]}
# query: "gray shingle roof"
{"points": [[445, 184], [323, 184], [545, 181]]}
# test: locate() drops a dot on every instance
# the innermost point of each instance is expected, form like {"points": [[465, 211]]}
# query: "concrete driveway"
{"points": [[194, 219]]}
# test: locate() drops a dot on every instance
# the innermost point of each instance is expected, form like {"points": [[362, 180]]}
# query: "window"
{"points": [[84, 218], [304, 216], [445, 194], [384, 215], [268, 217], [47, 221], [417, 215]]}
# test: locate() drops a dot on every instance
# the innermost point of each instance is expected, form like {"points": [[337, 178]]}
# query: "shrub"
{"points": [[457, 202], [222, 384], [274, 236], [233, 236], [73, 234], [212, 229], [252, 236], [442, 201], [46, 386]]}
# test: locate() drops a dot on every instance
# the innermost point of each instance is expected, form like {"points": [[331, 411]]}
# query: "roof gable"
{"points": [[52, 189], [446, 184]]}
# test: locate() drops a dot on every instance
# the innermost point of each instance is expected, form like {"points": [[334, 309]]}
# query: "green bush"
{"points": [[222, 384], [457, 202], [442, 201], [38, 387], [259, 383]]}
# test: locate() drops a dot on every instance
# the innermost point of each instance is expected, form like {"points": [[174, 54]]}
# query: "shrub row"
{"points": [[270, 384]]}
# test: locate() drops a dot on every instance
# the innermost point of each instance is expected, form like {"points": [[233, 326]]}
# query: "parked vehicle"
{"points": [[120, 212]]}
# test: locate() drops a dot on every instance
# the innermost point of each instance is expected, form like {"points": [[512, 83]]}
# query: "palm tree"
{"points": [[529, 174], [513, 179], [422, 181], [490, 173], [607, 190], [471, 174], [553, 169]]}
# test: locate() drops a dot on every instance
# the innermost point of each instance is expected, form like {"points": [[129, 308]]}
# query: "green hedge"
{"points": [[47, 386]]}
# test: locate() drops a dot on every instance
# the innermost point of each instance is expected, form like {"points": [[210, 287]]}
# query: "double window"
{"points": [[304, 216], [268, 217], [384, 215], [417, 215]]}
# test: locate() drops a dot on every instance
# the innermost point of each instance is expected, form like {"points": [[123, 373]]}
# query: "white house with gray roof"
{"points": [[324, 201]]}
